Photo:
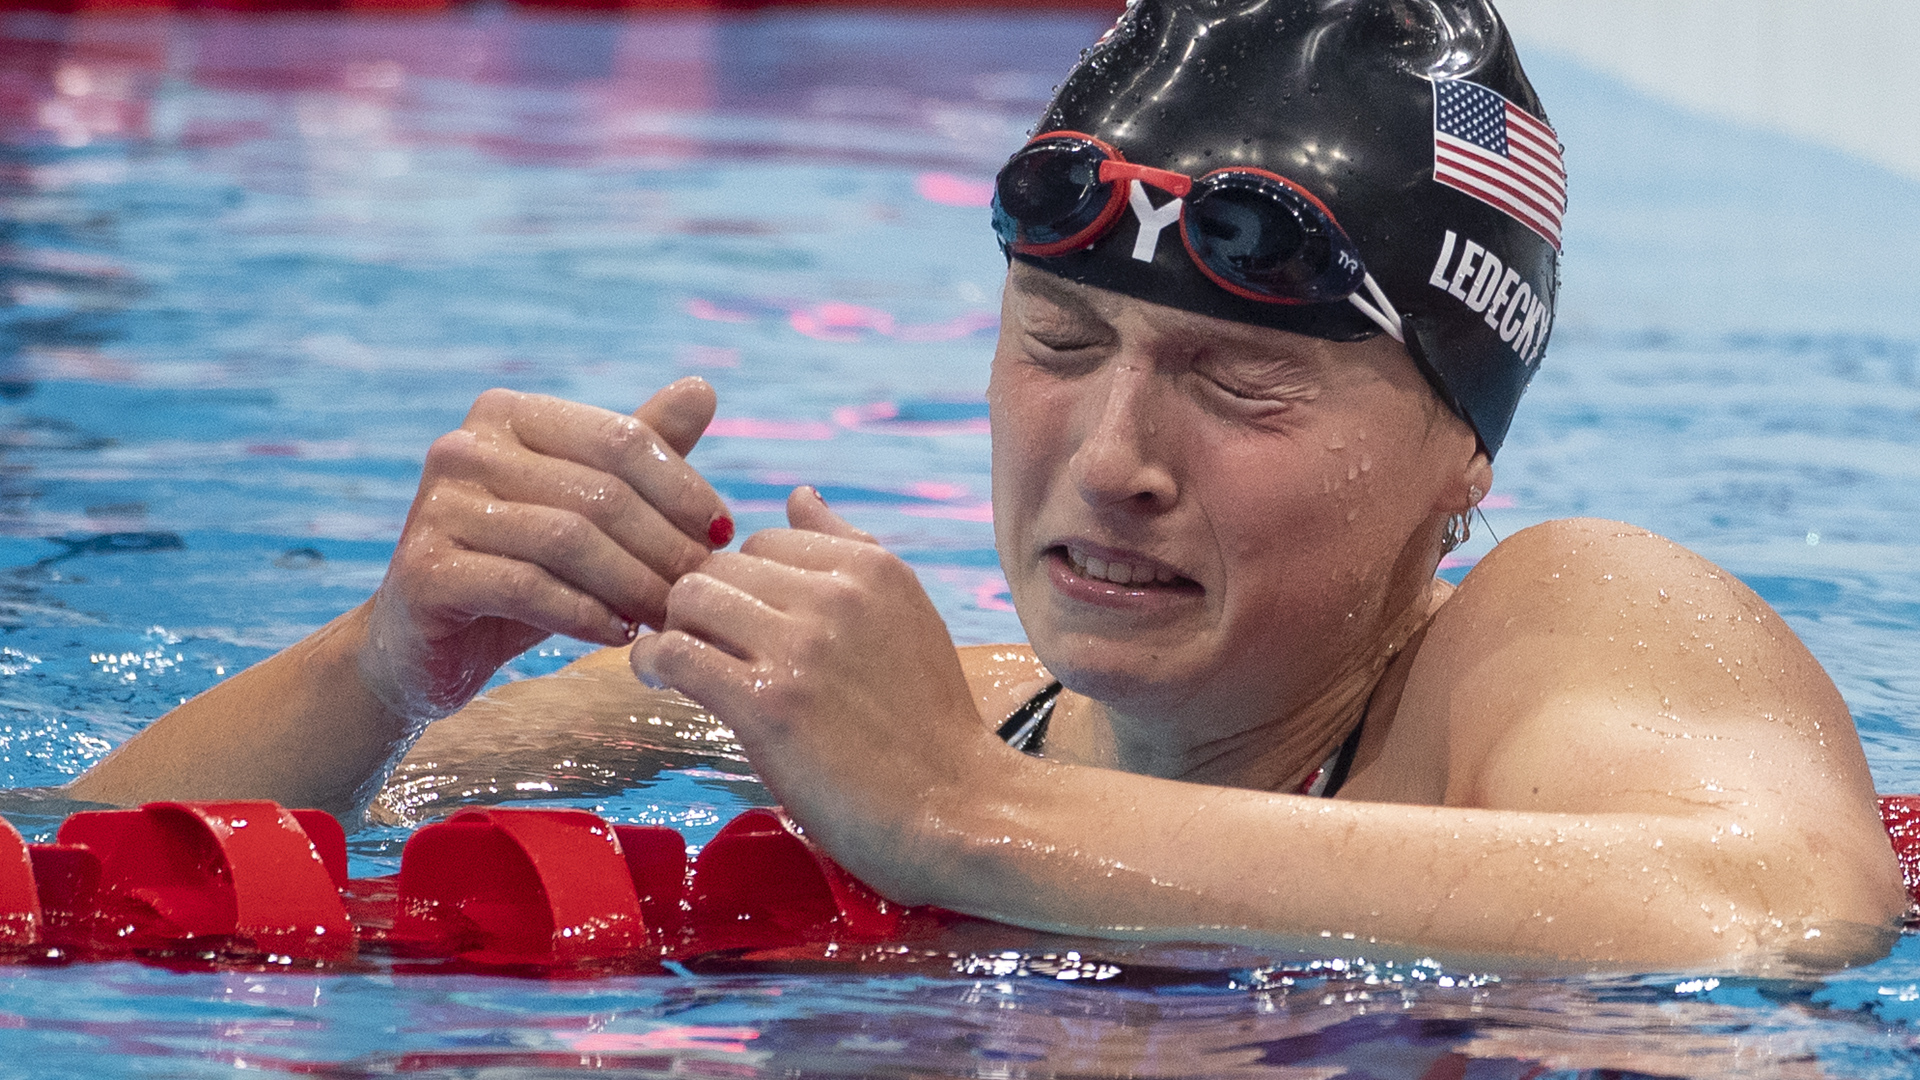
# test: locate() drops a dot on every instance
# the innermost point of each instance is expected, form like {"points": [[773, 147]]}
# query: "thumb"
{"points": [[807, 510], [680, 412]]}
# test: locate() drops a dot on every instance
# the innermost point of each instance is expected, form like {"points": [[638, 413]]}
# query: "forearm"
{"points": [[588, 707], [1090, 851], [300, 728]]}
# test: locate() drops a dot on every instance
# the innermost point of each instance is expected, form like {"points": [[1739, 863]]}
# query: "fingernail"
{"points": [[626, 628], [650, 680], [720, 531], [817, 495]]}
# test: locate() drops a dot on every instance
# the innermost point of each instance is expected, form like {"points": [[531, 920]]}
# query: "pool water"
{"points": [[249, 268]]}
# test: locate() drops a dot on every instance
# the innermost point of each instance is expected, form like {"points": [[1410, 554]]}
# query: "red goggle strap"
{"points": [[1175, 184]]}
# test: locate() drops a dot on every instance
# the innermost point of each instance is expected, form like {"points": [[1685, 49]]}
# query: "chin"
{"points": [[1126, 674]]}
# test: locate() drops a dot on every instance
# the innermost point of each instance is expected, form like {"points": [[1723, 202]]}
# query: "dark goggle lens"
{"points": [[1262, 236], [1049, 193]]}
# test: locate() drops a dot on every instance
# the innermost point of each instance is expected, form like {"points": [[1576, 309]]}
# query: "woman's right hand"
{"points": [[538, 516]]}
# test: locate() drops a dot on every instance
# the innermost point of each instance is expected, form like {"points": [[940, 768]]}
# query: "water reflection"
{"points": [[249, 267], [1344, 1025]]}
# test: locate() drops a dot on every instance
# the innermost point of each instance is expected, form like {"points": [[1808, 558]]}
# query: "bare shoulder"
{"points": [[1598, 582], [1617, 607], [1594, 668], [1591, 665], [1002, 677]]}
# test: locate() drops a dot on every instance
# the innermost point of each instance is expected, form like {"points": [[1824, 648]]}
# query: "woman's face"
{"points": [[1199, 514]]}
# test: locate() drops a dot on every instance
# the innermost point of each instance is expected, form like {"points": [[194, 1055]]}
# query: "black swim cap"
{"points": [[1410, 120]]}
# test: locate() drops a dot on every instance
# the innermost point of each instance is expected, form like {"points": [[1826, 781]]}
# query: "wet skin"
{"points": [[1294, 490], [1599, 749]]}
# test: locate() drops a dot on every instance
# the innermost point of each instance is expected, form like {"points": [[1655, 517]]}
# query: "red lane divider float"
{"points": [[219, 875], [1901, 815], [538, 891], [249, 883]]}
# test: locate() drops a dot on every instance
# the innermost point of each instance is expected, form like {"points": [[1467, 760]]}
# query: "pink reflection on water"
{"points": [[712, 312], [948, 189], [881, 418], [938, 490], [951, 329], [837, 321], [841, 322], [726, 1040], [979, 511], [740, 427], [986, 589]]}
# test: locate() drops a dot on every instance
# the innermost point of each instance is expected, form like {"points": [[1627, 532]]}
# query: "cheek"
{"points": [[1023, 446], [1267, 509], [1305, 523]]}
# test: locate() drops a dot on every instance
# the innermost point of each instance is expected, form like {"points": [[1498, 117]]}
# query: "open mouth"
{"points": [[1121, 573]]}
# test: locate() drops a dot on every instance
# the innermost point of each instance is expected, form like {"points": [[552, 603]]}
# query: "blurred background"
{"points": [[1839, 74]]}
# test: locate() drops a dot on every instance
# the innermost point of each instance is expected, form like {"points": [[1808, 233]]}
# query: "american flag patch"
{"points": [[1499, 153]]}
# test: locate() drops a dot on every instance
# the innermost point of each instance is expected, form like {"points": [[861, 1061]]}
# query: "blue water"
{"points": [[249, 268]]}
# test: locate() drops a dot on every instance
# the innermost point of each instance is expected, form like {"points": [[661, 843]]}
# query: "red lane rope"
{"points": [[248, 884]]}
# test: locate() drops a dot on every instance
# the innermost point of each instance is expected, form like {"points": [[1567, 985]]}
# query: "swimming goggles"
{"points": [[1254, 233]]}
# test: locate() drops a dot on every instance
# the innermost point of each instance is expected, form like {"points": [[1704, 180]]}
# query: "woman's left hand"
{"points": [[827, 658]]}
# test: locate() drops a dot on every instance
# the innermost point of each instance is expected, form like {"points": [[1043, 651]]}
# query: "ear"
{"points": [[1463, 468], [1478, 477]]}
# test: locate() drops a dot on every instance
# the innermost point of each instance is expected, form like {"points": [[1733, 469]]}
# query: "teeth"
{"points": [[1118, 573]]}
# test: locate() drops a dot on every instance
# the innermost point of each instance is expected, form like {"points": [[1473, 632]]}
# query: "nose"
{"points": [[1121, 461]]}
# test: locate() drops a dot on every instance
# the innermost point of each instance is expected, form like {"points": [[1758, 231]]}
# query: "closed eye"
{"points": [[1065, 357], [1264, 382], [1064, 341]]}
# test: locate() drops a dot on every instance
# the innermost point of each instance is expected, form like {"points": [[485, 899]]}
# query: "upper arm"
{"points": [[572, 709], [1592, 667]]}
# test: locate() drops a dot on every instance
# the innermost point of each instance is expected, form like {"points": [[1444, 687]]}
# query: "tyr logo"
{"points": [[1153, 220]]}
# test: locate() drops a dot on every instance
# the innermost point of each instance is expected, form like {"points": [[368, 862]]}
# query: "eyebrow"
{"points": [[1048, 287]]}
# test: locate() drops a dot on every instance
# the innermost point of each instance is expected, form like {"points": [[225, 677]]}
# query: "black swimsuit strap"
{"points": [[1343, 763], [1026, 729]]}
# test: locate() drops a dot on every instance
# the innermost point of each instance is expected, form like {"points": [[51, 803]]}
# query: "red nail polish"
{"points": [[817, 495], [720, 533]]}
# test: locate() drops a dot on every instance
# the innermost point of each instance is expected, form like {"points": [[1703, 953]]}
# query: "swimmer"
{"points": [[1278, 275]]}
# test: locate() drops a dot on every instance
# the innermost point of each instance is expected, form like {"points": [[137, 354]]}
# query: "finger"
{"points": [[672, 659], [509, 473], [774, 583], [805, 549], [621, 446], [725, 616], [566, 545], [807, 510], [482, 585], [680, 412]]}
